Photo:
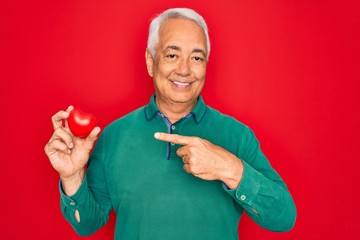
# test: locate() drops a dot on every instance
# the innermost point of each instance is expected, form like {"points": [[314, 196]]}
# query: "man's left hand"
{"points": [[206, 160]]}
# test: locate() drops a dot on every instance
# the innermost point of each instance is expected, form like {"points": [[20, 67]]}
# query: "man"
{"points": [[175, 168]]}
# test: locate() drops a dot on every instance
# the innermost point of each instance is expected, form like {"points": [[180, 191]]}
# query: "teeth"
{"points": [[182, 84]]}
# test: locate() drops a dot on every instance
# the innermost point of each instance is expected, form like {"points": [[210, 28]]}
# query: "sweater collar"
{"points": [[198, 112]]}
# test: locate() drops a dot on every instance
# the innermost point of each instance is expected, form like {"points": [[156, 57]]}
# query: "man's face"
{"points": [[179, 66]]}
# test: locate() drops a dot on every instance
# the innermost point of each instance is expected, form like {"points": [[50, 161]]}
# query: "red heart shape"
{"points": [[81, 123]]}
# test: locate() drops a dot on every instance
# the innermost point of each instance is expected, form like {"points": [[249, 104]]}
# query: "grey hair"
{"points": [[185, 13]]}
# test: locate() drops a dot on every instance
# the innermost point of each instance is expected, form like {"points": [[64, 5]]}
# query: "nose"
{"points": [[183, 68]]}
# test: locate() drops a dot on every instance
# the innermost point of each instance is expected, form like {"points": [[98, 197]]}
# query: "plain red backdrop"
{"points": [[288, 69]]}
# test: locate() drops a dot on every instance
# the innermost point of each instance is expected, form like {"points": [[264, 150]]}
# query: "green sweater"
{"points": [[143, 180]]}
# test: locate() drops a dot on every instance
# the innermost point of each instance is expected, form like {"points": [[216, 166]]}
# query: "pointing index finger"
{"points": [[175, 138]]}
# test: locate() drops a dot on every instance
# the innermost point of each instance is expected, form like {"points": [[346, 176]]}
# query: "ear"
{"points": [[149, 62]]}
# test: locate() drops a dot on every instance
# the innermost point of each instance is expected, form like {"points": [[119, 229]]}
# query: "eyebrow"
{"points": [[177, 48], [197, 50]]}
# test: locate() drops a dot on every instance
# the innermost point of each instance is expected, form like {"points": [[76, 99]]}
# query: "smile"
{"points": [[183, 84]]}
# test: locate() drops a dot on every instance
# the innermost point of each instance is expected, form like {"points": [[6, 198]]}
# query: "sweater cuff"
{"points": [[73, 201], [248, 187]]}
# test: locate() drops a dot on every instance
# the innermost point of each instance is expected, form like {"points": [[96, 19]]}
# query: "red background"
{"points": [[288, 69]]}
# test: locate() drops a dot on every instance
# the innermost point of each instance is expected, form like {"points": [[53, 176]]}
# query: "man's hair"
{"points": [[172, 13]]}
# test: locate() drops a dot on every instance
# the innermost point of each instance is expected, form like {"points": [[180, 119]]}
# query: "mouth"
{"points": [[181, 84]]}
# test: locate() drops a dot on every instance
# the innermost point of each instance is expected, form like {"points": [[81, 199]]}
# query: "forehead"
{"points": [[180, 31]]}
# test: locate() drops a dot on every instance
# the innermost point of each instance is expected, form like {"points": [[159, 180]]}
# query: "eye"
{"points": [[172, 56], [198, 59]]}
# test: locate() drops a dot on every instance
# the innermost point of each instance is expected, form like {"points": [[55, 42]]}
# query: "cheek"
{"points": [[164, 70], [200, 73]]}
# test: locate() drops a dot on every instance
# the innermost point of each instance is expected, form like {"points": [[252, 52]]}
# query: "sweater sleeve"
{"points": [[261, 192], [92, 199]]}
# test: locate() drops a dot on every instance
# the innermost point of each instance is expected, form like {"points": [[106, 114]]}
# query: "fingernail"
{"points": [[71, 145], [157, 135]]}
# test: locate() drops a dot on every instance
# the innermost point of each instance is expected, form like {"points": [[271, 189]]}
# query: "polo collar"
{"points": [[198, 112]]}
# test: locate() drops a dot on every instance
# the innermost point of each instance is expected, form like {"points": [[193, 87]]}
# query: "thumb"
{"points": [[91, 138]]}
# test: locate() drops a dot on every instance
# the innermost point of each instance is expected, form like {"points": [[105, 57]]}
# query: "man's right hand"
{"points": [[69, 154]]}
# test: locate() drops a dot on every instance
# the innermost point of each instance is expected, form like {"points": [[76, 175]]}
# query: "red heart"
{"points": [[80, 123]]}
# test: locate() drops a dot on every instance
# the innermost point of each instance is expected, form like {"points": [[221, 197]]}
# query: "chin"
{"points": [[180, 98]]}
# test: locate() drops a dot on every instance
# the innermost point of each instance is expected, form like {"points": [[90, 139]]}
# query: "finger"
{"points": [[60, 116], [186, 168], [65, 122], [70, 108], [182, 151], [185, 160], [55, 146], [64, 136], [174, 138], [91, 138]]}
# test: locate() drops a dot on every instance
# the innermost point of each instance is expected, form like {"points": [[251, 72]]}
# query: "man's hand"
{"points": [[206, 160], [69, 154]]}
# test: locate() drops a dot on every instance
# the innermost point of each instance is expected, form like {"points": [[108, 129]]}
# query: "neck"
{"points": [[175, 111]]}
